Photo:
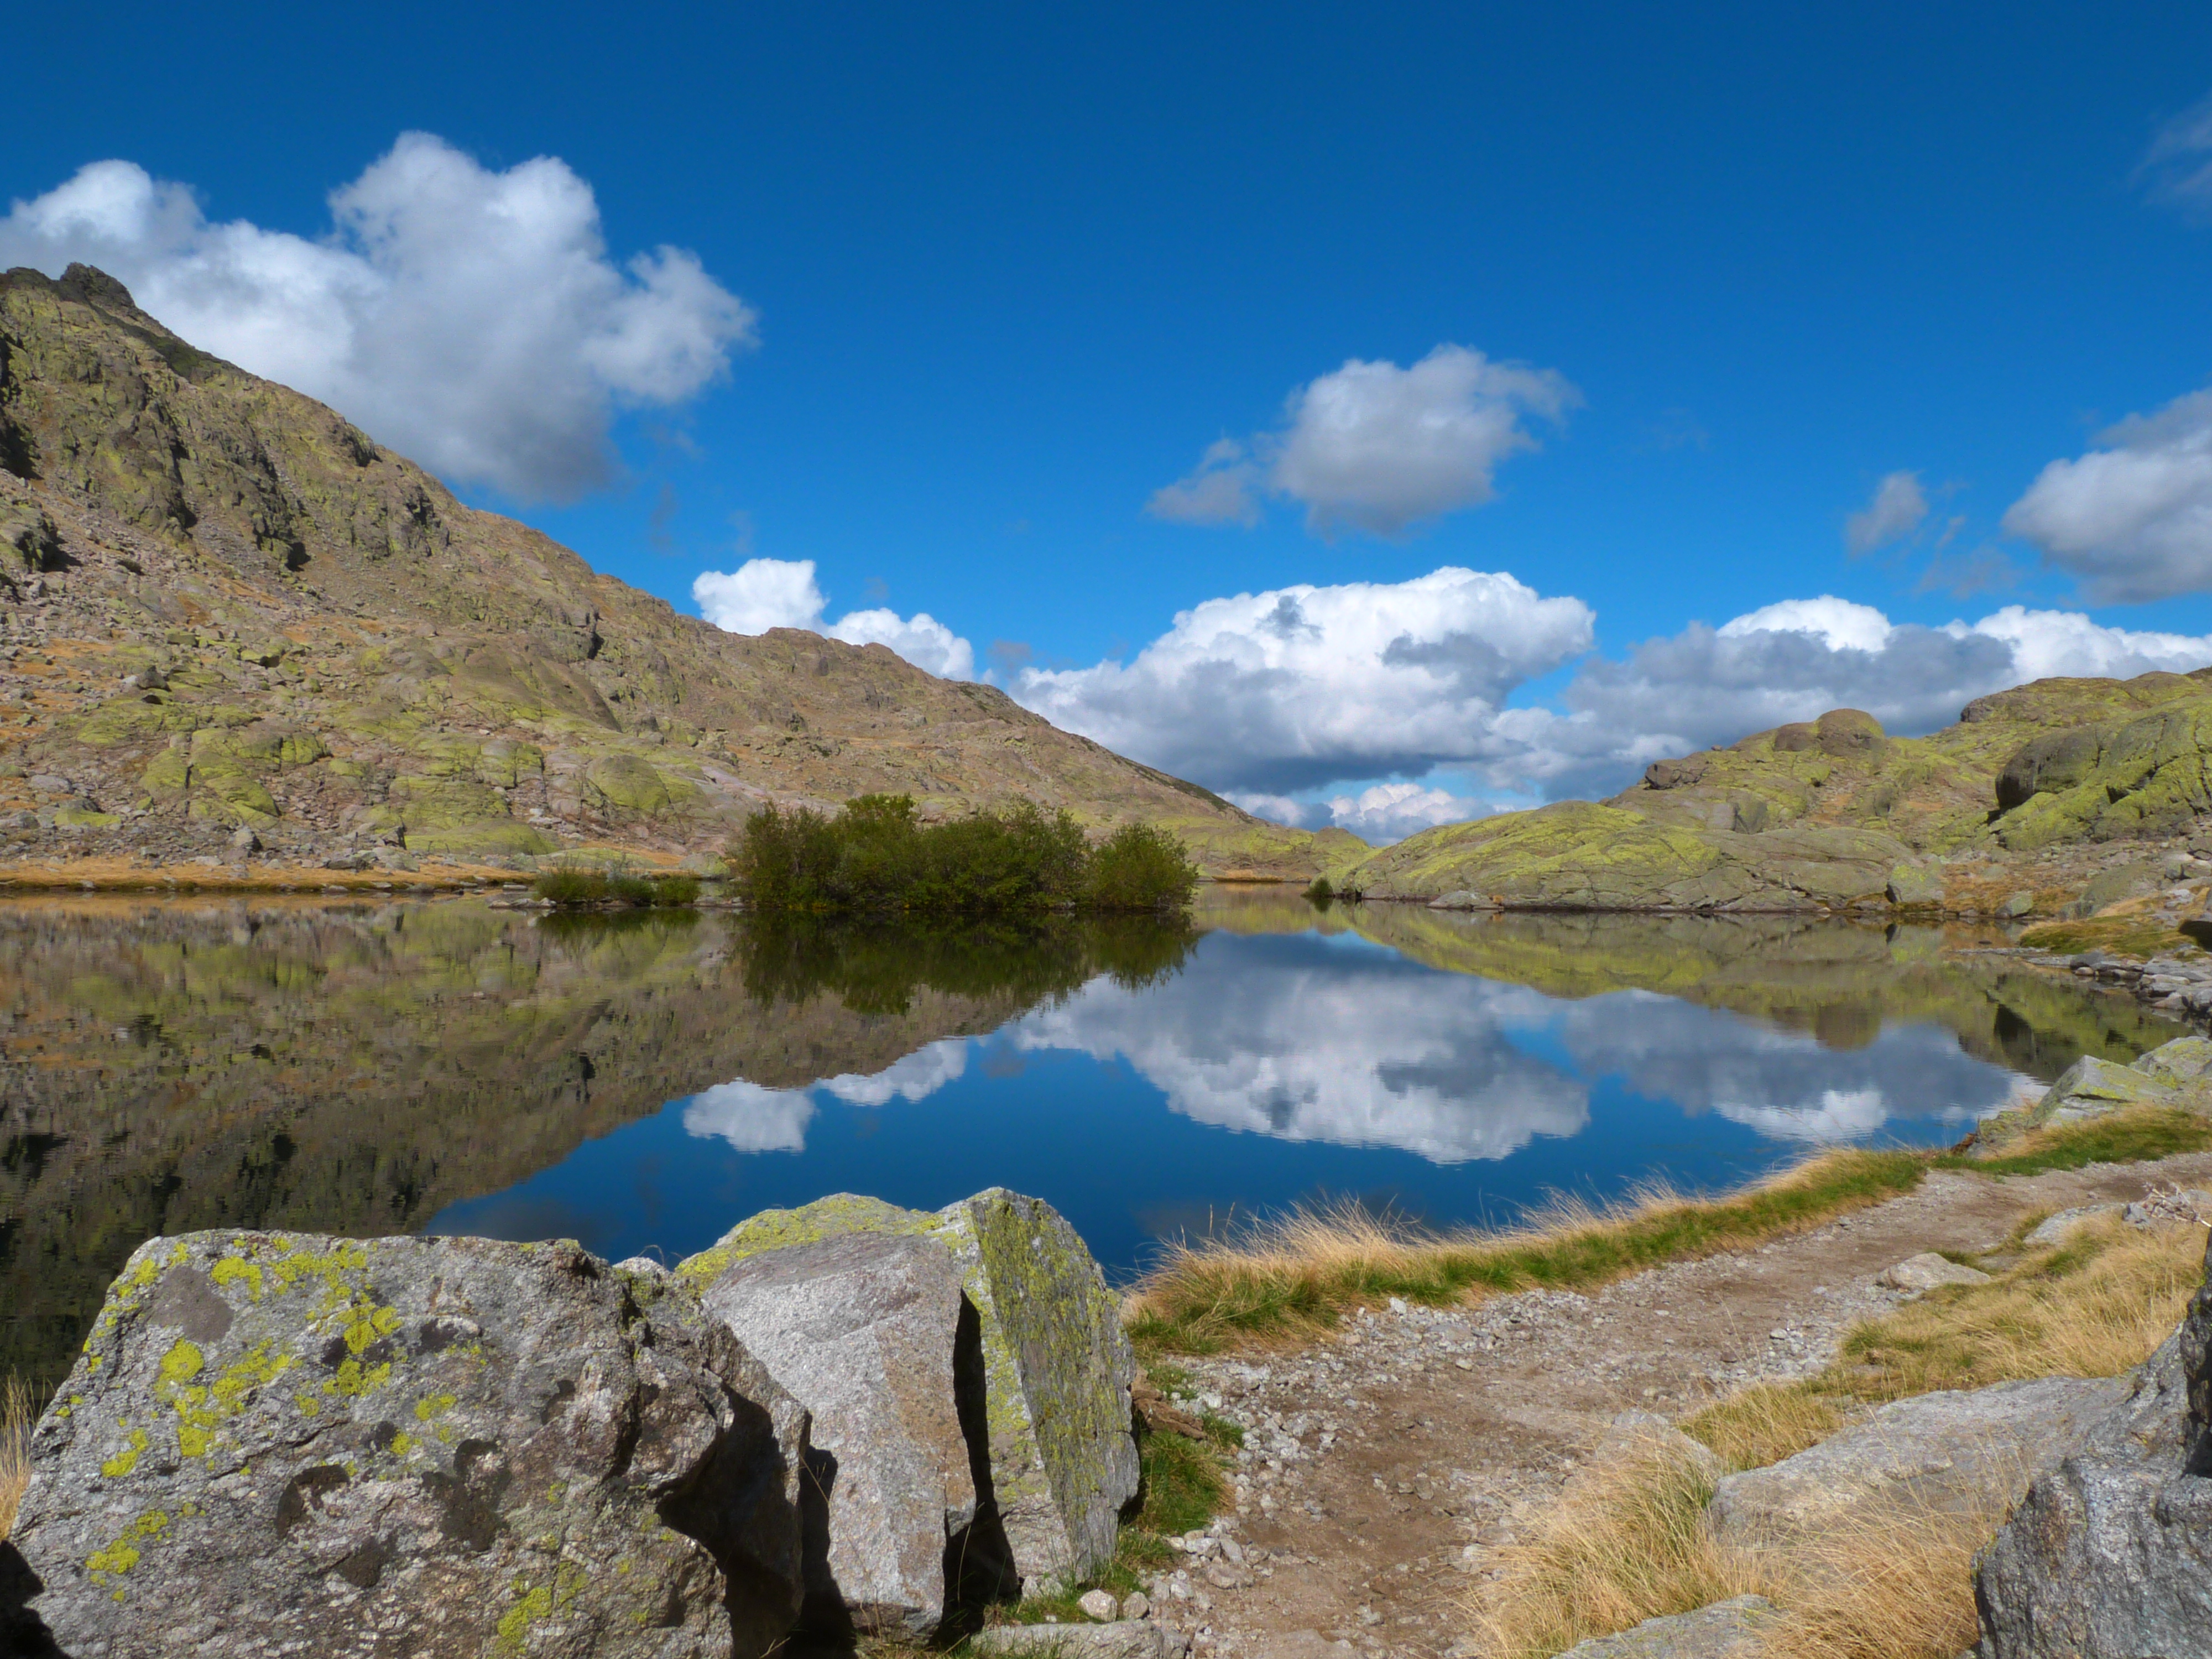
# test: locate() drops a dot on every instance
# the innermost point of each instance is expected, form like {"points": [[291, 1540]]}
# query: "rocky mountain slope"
{"points": [[224, 609], [2015, 810]]}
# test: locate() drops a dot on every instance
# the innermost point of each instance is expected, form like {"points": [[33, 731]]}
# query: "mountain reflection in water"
{"points": [[641, 1084]]}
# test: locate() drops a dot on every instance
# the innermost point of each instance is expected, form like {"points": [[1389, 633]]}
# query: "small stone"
{"points": [[1098, 1605], [243, 840], [1137, 1604], [1923, 1273]]}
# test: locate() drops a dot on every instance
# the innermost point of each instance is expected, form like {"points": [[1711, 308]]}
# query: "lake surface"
{"points": [[641, 1084]]}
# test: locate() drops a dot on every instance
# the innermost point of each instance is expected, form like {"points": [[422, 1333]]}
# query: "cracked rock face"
{"points": [[2107, 1556], [411, 1446], [862, 1329], [1045, 1412]]}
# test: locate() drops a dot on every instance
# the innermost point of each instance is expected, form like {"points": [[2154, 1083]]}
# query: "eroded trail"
{"points": [[1381, 1465]]}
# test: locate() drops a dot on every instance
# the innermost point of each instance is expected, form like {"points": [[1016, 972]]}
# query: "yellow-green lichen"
{"points": [[122, 1553], [534, 1604], [126, 1459], [780, 1229]]}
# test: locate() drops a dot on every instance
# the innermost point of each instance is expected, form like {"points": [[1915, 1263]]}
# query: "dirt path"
{"points": [[1379, 1465]]}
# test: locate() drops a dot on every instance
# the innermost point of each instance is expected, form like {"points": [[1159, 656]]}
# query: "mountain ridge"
{"points": [[226, 610]]}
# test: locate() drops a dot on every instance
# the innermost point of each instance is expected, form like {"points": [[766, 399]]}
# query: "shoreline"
{"points": [[1393, 1466]]}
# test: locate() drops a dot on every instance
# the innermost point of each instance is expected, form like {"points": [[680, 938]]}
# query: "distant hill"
{"points": [[223, 607], [2034, 791]]}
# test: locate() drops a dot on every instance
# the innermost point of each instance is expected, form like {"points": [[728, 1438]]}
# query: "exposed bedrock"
{"points": [[411, 1446], [2110, 1554]]}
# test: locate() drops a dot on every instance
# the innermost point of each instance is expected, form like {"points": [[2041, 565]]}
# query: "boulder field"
{"points": [[847, 1418]]}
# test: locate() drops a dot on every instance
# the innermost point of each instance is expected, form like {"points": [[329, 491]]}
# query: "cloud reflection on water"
{"points": [[1351, 1049], [1305, 1042]]}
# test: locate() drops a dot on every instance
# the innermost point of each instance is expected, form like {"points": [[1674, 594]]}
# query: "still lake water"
{"points": [[641, 1084]]}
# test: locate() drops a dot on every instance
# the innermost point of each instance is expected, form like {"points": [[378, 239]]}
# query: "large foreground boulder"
{"points": [[2109, 1556], [1954, 1452], [865, 1326], [1043, 1394], [419, 1447]]}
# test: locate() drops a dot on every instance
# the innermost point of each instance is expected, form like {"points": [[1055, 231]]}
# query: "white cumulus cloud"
{"points": [[1899, 508], [468, 317], [1796, 659], [1377, 447], [764, 594], [2132, 518], [1379, 814], [1305, 685]]}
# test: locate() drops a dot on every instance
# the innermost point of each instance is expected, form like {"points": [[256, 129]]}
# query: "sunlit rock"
{"points": [[411, 1446]]}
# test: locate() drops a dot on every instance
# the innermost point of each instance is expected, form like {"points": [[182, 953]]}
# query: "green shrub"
{"points": [[1140, 866], [571, 887], [877, 857], [1319, 893], [636, 891], [673, 892]]}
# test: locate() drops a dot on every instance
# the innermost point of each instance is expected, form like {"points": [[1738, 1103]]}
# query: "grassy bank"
{"points": [[1628, 1541], [876, 858], [1290, 1277]]}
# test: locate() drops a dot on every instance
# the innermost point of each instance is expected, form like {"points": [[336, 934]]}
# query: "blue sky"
{"points": [[1008, 271]]}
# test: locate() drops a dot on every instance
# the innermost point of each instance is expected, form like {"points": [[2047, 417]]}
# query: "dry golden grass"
{"points": [[18, 1412], [1895, 1584], [1765, 1423], [1628, 1542], [2095, 1306], [1624, 1542]]}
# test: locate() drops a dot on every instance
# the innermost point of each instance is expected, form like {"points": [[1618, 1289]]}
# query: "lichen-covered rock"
{"points": [[1916, 886], [2091, 1087], [1961, 1452], [2109, 1556], [1057, 1370], [411, 1447], [1061, 1461], [863, 1329]]}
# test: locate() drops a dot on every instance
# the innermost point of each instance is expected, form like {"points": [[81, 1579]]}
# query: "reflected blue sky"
{"points": [[1273, 1070]]}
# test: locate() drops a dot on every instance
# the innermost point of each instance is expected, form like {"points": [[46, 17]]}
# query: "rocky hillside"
{"points": [[2016, 809], [223, 608]]}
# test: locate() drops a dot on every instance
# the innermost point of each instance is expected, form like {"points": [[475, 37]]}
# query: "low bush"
{"points": [[1140, 866], [876, 857], [575, 888]]}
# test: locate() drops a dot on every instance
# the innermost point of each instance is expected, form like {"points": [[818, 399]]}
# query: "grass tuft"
{"points": [[19, 1412], [1624, 1542], [1764, 1424]]}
